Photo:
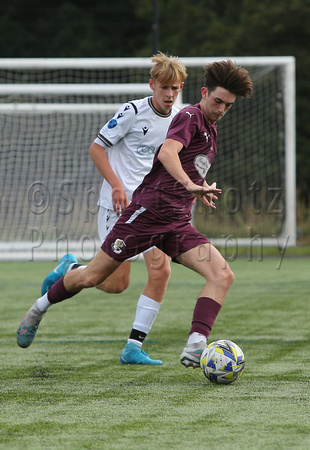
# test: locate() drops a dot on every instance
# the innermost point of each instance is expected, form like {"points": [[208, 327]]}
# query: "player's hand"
{"points": [[120, 200], [208, 198], [207, 194]]}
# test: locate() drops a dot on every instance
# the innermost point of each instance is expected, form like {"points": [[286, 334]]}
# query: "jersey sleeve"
{"points": [[183, 127], [120, 125]]}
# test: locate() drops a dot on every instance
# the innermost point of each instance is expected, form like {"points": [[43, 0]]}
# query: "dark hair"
{"points": [[227, 75]]}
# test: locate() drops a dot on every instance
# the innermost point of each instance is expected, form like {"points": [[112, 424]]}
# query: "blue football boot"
{"points": [[59, 271], [132, 354]]}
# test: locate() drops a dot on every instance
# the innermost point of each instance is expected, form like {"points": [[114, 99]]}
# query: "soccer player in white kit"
{"points": [[123, 152]]}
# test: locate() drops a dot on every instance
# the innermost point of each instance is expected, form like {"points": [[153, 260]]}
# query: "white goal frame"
{"points": [[12, 250]]}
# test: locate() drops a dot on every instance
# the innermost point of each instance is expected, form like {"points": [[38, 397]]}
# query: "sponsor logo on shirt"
{"points": [[190, 115], [202, 165], [146, 151]]}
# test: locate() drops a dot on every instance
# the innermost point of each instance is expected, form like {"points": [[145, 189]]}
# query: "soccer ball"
{"points": [[222, 361]]}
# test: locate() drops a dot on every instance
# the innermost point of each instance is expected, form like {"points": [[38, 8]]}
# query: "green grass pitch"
{"points": [[69, 390]]}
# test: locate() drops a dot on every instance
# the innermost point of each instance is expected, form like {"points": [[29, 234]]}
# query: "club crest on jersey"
{"points": [[112, 123], [202, 165], [118, 246]]}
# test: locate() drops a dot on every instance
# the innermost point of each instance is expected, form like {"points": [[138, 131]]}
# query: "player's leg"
{"points": [[208, 262], [117, 282], [158, 266], [66, 287], [114, 284], [99, 269]]}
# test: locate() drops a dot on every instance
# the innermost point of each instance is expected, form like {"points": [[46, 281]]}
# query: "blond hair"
{"points": [[167, 70]]}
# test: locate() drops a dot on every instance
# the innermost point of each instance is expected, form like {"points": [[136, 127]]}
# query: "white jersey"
{"points": [[131, 139]]}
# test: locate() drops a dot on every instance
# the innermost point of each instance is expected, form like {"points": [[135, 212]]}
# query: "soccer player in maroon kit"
{"points": [[160, 212]]}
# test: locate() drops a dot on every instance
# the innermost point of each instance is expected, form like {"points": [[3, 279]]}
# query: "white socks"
{"points": [[196, 337], [43, 304]]}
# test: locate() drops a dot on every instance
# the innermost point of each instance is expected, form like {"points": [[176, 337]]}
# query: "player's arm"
{"points": [[100, 158], [169, 157]]}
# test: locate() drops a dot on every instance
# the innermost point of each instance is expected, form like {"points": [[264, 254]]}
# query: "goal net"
{"points": [[51, 110]]}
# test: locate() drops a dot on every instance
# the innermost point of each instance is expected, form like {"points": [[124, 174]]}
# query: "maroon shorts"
{"points": [[138, 229]]}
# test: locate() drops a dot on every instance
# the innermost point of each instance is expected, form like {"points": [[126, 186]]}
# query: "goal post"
{"points": [[52, 109]]}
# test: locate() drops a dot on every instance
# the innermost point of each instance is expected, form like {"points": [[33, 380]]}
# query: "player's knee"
{"points": [[123, 284], [160, 275], [223, 277], [227, 277], [166, 271]]}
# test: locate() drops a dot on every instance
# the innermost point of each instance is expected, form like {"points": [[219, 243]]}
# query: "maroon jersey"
{"points": [[160, 192]]}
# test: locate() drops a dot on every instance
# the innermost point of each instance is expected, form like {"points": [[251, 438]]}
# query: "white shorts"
{"points": [[107, 218]]}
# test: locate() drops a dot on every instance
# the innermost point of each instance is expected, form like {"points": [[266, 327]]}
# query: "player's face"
{"points": [[215, 104], [164, 96]]}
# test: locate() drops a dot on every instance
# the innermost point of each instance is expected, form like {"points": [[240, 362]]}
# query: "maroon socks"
{"points": [[58, 292], [205, 313]]}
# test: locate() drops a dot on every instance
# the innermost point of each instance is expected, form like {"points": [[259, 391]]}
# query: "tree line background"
{"points": [[72, 28]]}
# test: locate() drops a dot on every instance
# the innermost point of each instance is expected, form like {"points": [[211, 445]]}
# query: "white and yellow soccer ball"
{"points": [[222, 361]]}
